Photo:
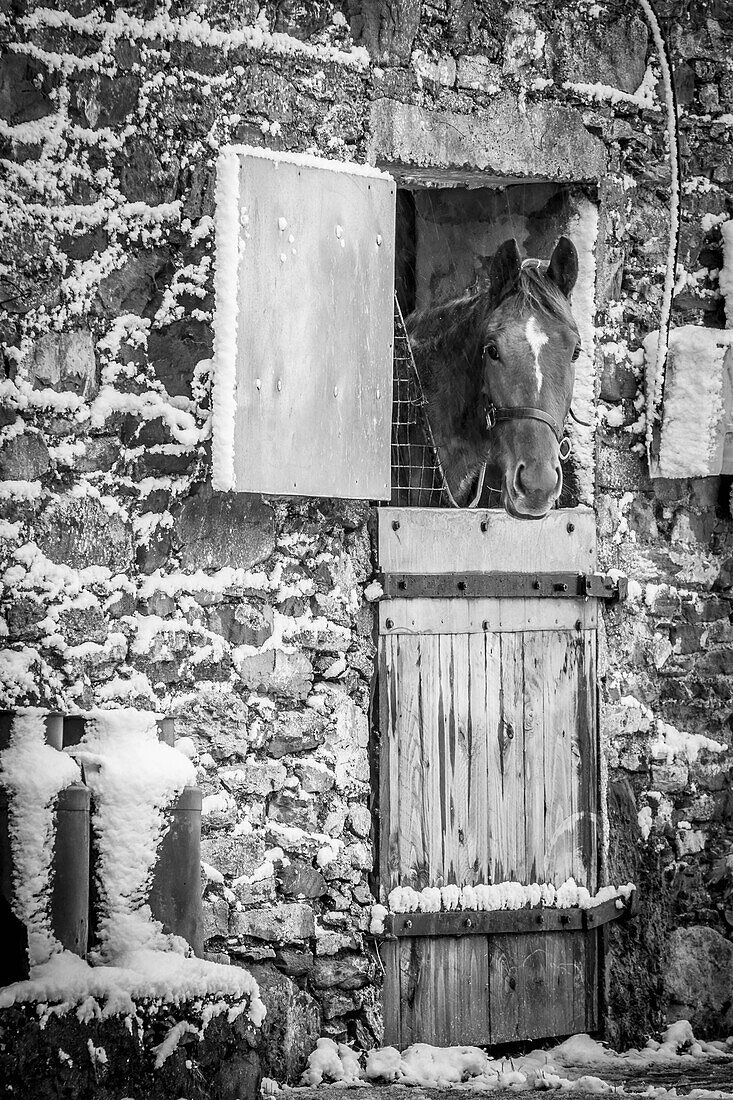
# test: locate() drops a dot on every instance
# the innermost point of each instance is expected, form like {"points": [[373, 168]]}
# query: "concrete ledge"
{"points": [[547, 141]]}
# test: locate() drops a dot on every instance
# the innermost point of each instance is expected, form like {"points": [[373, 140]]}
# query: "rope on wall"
{"points": [[655, 397]]}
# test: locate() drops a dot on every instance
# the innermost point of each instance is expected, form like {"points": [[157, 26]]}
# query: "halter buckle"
{"points": [[490, 415], [567, 443]]}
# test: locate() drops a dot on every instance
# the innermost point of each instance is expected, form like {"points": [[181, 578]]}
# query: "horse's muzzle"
{"points": [[533, 491]]}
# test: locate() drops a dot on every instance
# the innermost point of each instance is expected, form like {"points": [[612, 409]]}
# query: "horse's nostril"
{"points": [[518, 483]]}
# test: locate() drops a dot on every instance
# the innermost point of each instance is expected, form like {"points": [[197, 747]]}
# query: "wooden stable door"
{"points": [[489, 766]]}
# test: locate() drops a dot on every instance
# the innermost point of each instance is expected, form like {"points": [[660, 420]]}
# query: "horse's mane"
{"points": [[451, 335]]}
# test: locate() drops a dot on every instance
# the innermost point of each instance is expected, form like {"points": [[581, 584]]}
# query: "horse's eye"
{"points": [[492, 351], [576, 353]]}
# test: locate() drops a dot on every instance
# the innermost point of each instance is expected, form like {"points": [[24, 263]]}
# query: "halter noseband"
{"points": [[494, 414]]}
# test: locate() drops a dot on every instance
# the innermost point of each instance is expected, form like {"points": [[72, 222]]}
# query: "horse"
{"points": [[495, 372]]}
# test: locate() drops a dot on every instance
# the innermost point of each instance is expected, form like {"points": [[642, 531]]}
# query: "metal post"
{"points": [[175, 894], [70, 889]]}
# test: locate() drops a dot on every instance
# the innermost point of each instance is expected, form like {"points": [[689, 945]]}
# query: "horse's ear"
{"points": [[563, 266], [506, 263]]}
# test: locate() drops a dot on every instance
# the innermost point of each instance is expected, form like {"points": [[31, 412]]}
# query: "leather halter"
{"points": [[494, 414]]}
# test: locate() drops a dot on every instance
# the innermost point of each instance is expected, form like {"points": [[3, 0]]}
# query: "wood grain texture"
{"points": [[311, 352], [444, 989], [458, 616], [494, 736], [435, 540]]}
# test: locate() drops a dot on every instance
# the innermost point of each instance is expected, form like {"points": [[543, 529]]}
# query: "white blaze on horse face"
{"points": [[536, 338]]}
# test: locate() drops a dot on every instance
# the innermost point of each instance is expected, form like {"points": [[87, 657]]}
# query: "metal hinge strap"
{"points": [[600, 586], [508, 921]]}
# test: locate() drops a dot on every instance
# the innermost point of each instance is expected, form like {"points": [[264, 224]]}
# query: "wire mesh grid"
{"points": [[416, 477]]}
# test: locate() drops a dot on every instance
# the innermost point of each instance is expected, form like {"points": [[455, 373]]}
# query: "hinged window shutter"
{"points": [[303, 326]]}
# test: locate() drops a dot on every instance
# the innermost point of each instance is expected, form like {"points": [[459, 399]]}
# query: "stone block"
{"points": [[24, 88], [245, 623], [258, 778], [24, 458], [22, 617], [215, 917], [290, 1028], [83, 625], [478, 73], [260, 892], [293, 962], [80, 532], [437, 70], [276, 672], [360, 856], [699, 979], [334, 1002], [100, 454], [348, 738], [314, 778], [133, 286], [65, 361], [176, 350], [296, 732], [670, 777], [224, 530], [348, 972], [233, 855], [288, 923], [289, 809], [716, 662], [360, 820], [544, 140], [605, 52], [300, 879]]}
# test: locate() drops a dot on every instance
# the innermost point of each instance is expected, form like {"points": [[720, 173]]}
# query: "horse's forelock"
{"points": [[535, 293]]}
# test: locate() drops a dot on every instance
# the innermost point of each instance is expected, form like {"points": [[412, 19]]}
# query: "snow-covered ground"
{"points": [[580, 1064]]}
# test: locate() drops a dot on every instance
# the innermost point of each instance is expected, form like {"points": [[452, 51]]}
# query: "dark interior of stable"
{"points": [[445, 239]]}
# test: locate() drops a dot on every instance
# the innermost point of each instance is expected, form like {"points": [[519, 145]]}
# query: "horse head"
{"points": [[497, 369], [530, 344]]}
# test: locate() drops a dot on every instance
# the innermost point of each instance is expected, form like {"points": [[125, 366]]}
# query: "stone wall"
{"points": [[130, 583]]}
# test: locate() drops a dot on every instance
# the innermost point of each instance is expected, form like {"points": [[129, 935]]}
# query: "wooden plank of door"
{"points": [[505, 987], [454, 722], [505, 822], [559, 707], [532, 986], [535, 649], [482, 731], [444, 991], [459, 616], [401, 804], [421, 772], [440, 540], [390, 952], [585, 815]]}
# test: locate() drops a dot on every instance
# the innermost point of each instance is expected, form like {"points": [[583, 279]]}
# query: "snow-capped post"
{"points": [[655, 392], [32, 775], [692, 437]]}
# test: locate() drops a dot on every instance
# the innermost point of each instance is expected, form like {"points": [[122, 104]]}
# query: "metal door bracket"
{"points": [[599, 586]]}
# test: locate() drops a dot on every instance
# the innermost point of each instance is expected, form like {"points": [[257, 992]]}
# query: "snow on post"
{"points": [[226, 289], [583, 231], [697, 400], [33, 773], [133, 778], [725, 278]]}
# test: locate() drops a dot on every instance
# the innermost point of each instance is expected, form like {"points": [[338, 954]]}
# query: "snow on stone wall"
{"points": [[129, 581]]}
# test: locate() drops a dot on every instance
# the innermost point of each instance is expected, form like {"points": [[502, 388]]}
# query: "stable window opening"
{"points": [[446, 233]]}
